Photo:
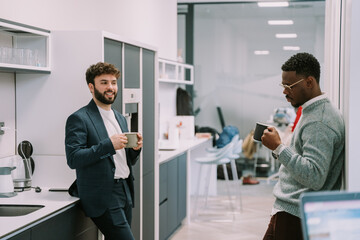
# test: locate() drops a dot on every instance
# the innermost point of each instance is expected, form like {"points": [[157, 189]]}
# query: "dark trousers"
{"points": [[116, 221], [284, 226]]}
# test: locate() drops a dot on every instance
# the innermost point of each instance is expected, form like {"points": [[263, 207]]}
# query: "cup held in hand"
{"points": [[132, 139], [259, 130]]}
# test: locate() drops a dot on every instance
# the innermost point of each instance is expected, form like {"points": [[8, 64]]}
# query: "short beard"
{"points": [[101, 97]]}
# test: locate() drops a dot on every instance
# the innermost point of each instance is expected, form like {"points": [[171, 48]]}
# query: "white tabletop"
{"points": [[184, 146]]}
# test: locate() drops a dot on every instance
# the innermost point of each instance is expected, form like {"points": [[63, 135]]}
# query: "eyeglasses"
{"points": [[289, 87]]}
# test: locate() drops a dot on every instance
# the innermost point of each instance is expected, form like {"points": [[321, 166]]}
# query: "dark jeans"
{"points": [[284, 226], [116, 221]]}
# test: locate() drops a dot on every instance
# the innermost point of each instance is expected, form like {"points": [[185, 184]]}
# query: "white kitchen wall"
{"points": [[43, 102], [167, 106], [7, 114], [7, 106], [148, 21]]}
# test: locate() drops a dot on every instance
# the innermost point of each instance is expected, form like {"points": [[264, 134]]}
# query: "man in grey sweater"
{"points": [[315, 157]]}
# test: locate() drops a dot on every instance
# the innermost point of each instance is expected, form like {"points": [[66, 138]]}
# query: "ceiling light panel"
{"points": [[273, 4], [261, 52], [291, 48], [280, 22], [286, 35]]}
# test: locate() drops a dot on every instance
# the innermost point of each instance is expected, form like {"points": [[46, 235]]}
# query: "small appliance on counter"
{"points": [[6, 182], [24, 167]]}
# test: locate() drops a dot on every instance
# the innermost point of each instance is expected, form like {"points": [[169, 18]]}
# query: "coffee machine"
{"points": [[132, 113]]}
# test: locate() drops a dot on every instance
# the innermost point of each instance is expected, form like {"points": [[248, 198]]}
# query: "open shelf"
{"points": [[175, 72], [23, 48]]}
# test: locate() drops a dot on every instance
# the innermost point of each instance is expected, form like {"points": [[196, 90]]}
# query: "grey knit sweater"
{"points": [[315, 157]]}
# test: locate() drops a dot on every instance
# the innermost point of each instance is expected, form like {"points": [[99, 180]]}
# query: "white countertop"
{"points": [[52, 201], [185, 145]]}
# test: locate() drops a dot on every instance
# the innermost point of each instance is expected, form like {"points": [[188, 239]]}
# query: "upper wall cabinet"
{"points": [[23, 48], [175, 72]]}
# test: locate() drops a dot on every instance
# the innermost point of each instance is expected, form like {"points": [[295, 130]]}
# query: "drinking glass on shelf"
{"points": [[10, 55], [18, 56], [6, 55], [36, 61], [28, 57]]}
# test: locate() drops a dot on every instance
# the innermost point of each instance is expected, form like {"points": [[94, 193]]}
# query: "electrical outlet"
{"points": [[1, 125]]}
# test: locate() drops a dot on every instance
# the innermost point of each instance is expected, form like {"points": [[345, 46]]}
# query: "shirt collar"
{"points": [[315, 99]]}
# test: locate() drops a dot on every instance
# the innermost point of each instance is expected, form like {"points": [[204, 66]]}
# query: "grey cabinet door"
{"points": [[113, 55], [172, 195], [148, 207], [148, 110], [163, 226], [163, 184], [163, 201], [132, 66], [135, 225], [181, 187], [149, 150]]}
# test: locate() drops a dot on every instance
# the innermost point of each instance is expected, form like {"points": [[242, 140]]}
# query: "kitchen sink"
{"points": [[12, 210]]}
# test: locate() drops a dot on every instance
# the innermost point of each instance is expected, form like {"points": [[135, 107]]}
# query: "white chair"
{"points": [[219, 156], [237, 149]]}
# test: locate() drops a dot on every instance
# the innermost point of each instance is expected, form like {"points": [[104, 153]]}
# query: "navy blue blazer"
{"points": [[89, 150]]}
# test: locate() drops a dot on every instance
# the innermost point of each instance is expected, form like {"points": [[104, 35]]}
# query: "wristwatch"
{"points": [[277, 151]]}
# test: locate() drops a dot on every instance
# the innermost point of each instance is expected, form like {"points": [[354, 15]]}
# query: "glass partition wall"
{"points": [[238, 50]]}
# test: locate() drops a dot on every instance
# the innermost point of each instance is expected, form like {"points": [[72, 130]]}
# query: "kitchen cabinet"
{"points": [[163, 229], [24, 48], [172, 195], [149, 148], [175, 72], [70, 224], [181, 187], [113, 55], [137, 103], [148, 206], [132, 66], [149, 109]]}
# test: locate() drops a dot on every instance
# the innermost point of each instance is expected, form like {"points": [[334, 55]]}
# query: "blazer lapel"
{"points": [[97, 120], [121, 122]]}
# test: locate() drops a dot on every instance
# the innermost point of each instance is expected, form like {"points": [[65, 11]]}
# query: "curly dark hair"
{"points": [[303, 64], [99, 69]]}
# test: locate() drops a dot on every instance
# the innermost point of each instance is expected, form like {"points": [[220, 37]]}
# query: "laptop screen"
{"points": [[331, 216]]}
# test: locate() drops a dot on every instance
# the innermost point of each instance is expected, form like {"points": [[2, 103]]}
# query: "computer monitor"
{"points": [[331, 215]]}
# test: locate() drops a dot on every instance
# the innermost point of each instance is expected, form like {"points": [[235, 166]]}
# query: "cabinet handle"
{"points": [[163, 201]]}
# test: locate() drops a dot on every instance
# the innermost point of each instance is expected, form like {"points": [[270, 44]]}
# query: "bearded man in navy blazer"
{"points": [[95, 146]]}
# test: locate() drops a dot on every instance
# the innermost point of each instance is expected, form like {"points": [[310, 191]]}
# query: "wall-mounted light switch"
{"points": [[1, 125]]}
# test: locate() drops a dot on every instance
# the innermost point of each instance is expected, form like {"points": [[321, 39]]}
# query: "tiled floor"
{"points": [[217, 221]]}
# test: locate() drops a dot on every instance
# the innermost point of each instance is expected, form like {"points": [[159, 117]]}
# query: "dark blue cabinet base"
{"points": [[71, 224], [172, 195]]}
